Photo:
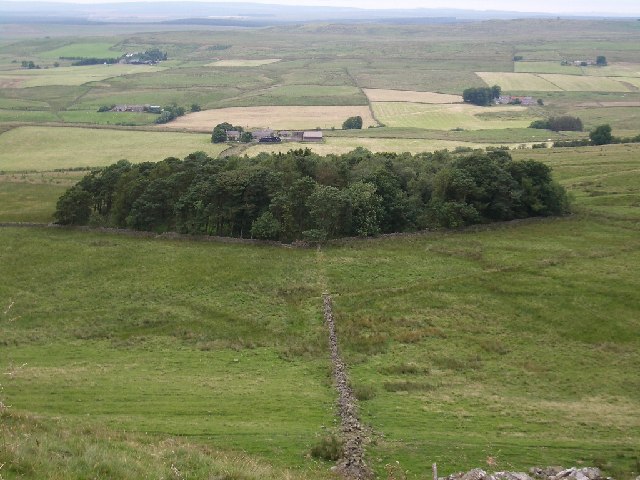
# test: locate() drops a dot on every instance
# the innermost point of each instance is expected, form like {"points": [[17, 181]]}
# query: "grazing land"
{"points": [[243, 63], [447, 117], [379, 95], [462, 344], [49, 148], [132, 356]]}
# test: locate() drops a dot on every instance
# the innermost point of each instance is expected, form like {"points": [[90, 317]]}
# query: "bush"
{"points": [[352, 123], [328, 448]]}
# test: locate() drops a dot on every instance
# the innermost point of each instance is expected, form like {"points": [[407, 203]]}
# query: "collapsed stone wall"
{"points": [[352, 464]]}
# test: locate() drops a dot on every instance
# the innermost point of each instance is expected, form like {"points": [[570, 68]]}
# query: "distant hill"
{"points": [[232, 14]]}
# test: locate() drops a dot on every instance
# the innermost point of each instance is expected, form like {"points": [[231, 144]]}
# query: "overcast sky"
{"points": [[628, 7]]}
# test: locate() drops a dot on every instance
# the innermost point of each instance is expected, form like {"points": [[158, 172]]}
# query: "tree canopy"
{"points": [[301, 195], [481, 96], [352, 123]]}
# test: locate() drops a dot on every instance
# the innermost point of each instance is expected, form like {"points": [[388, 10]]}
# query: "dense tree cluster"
{"points": [[300, 195], [170, 112], [481, 96], [352, 123], [562, 123]]}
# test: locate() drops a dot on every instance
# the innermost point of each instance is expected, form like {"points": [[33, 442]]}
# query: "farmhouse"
{"points": [[508, 100], [233, 135], [312, 136], [129, 108], [293, 135]]}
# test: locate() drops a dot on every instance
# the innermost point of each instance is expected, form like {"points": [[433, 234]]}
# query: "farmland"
{"points": [[296, 117], [131, 356], [465, 342]]}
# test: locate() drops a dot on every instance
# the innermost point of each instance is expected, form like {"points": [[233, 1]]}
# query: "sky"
{"points": [[624, 7]]}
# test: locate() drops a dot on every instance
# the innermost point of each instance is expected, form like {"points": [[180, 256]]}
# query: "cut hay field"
{"points": [[70, 76], [340, 145], [447, 117], [549, 82], [518, 82], [49, 148], [295, 117], [518, 342], [243, 63], [380, 95]]}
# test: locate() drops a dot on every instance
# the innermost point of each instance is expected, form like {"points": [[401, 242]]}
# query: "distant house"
{"points": [[129, 108], [154, 109], [258, 134], [510, 100], [312, 136], [233, 135]]}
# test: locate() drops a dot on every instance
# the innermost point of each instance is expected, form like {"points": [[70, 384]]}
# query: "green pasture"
{"points": [[447, 117], [623, 120], [546, 67], [516, 341], [48, 148], [71, 76], [82, 49]]}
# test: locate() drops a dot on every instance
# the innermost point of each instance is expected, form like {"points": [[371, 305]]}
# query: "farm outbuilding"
{"points": [[312, 136]]}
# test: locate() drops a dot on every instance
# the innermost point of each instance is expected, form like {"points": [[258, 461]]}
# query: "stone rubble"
{"points": [[536, 473], [352, 464]]}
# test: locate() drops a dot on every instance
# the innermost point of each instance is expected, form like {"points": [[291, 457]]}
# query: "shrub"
{"points": [[352, 123], [328, 448]]}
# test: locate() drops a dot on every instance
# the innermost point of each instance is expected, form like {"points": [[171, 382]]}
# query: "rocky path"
{"points": [[352, 464]]}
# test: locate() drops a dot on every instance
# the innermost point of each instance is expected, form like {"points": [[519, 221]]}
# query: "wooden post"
{"points": [[434, 467]]}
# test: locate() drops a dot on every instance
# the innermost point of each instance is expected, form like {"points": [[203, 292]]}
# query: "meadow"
{"points": [[50, 148], [517, 341]]}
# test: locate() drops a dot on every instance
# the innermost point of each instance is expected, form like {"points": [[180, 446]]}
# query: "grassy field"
{"points": [[447, 117], [48, 148], [517, 342], [129, 357], [548, 82], [70, 76], [82, 49], [379, 95], [243, 63], [295, 117]]}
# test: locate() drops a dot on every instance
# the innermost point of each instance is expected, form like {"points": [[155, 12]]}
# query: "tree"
{"points": [[352, 123], [601, 61], [246, 137], [481, 96], [266, 227], [73, 207], [219, 135], [601, 135]]}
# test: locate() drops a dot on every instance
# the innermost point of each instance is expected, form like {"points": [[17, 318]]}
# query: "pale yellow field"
{"points": [[448, 117], [70, 75], [511, 82], [48, 148], [277, 118], [340, 145], [548, 82], [243, 63], [380, 95], [574, 83], [620, 69]]}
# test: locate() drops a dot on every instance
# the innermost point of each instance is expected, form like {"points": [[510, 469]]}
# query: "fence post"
{"points": [[434, 467]]}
